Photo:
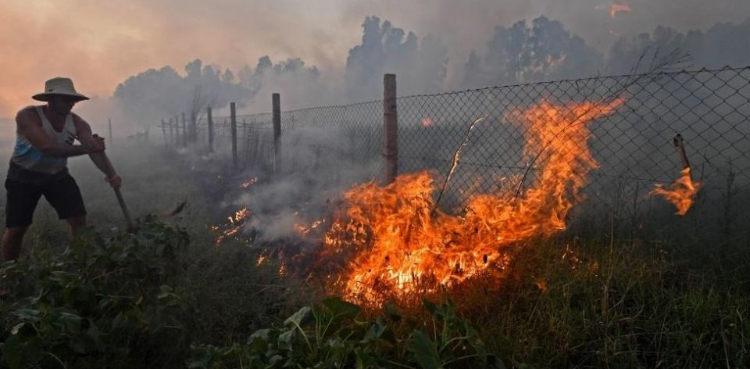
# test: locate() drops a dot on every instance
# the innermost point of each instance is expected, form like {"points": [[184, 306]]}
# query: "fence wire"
{"points": [[633, 147]]}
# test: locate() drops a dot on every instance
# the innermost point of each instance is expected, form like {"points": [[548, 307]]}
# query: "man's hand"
{"points": [[97, 145], [115, 181]]}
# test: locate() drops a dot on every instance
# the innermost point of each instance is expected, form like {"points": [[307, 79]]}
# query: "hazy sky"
{"points": [[99, 43]]}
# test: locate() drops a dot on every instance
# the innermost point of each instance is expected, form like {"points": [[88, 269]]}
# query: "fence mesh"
{"points": [[710, 109]]}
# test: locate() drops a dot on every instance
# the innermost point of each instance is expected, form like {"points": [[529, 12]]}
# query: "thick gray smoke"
{"points": [[540, 50], [301, 86]]}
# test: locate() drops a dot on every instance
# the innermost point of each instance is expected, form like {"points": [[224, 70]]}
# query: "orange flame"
{"points": [[397, 241], [233, 227], [616, 8], [681, 192], [427, 122], [248, 183]]}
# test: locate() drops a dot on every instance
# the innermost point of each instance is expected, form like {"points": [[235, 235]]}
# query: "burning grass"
{"points": [[395, 241]]}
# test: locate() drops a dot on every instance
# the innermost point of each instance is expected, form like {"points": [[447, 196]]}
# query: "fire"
{"points": [[248, 183], [233, 227], [427, 122], [681, 192], [397, 241], [616, 8], [304, 229]]}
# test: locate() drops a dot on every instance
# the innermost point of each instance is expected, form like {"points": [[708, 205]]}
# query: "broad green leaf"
{"points": [[260, 339], [299, 318], [29, 315], [286, 339], [16, 328], [424, 350], [341, 308]]}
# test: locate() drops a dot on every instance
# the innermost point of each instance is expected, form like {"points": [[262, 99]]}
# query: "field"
{"points": [[169, 297]]}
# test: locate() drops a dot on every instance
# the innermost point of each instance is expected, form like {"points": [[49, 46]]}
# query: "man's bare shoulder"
{"points": [[28, 115], [79, 122]]}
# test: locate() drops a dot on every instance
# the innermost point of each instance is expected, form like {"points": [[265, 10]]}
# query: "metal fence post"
{"points": [[390, 128], [233, 117], [210, 130], [276, 101]]}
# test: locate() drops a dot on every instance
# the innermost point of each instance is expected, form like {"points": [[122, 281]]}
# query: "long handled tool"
{"points": [[111, 173]]}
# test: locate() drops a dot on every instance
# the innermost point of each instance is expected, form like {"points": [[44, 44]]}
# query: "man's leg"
{"points": [[66, 198], [76, 225], [12, 241], [21, 200]]}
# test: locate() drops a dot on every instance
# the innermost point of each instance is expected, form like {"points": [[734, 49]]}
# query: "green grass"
{"points": [[615, 306]]}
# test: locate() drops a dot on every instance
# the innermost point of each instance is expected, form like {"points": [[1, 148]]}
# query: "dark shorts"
{"points": [[62, 193]]}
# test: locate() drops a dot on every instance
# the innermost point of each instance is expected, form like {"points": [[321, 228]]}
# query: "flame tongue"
{"points": [[396, 242], [681, 192]]}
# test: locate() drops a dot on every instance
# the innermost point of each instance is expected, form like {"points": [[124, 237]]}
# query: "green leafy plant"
{"points": [[334, 335], [100, 302]]}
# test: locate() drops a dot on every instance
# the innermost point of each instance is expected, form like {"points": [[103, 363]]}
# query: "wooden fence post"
{"points": [[210, 130], [276, 101], [390, 128], [164, 132], [193, 127], [184, 131], [173, 132], [233, 118], [110, 132]]}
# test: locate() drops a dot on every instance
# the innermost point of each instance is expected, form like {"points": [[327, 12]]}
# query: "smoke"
{"points": [[300, 86], [318, 163], [720, 46], [164, 93], [467, 27]]}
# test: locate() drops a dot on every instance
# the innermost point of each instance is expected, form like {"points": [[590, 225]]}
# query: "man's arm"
{"points": [[29, 125], [87, 139]]}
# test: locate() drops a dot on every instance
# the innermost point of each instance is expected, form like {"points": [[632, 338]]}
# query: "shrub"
{"points": [[98, 303], [334, 335]]}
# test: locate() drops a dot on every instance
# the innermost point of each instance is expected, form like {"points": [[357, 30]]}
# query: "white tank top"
{"points": [[30, 158]]}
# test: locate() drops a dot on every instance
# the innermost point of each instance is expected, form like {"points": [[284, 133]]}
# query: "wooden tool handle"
{"points": [[111, 173], [125, 211]]}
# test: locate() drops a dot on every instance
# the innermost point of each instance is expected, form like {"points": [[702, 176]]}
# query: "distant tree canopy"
{"points": [[420, 66], [723, 44], [161, 93], [522, 54]]}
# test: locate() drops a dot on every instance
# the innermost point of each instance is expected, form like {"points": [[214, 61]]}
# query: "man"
{"points": [[44, 140]]}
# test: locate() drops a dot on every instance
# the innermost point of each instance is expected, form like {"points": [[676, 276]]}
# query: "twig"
{"points": [[456, 157]]}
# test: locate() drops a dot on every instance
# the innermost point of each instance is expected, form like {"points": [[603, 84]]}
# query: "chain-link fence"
{"points": [[710, 109]]}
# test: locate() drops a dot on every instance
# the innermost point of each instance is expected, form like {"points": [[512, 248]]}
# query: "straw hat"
{"points": [[59, 86]]}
